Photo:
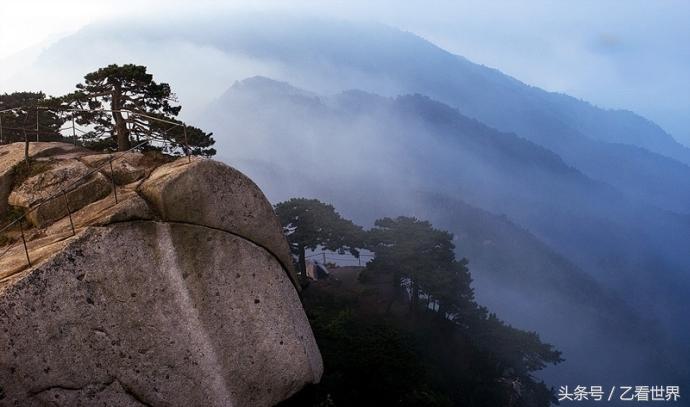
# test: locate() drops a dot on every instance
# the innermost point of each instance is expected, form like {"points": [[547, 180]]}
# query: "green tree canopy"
{"points": [[17, 124], [439, 348], [104, 95], [421, 259], [420, 263], [310, 223]]}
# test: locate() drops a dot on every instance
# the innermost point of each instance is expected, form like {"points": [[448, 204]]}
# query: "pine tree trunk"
{"points": [[26, 150], [441, 309], [122, 137], [121, 132], [302, 261], [414, 296]]}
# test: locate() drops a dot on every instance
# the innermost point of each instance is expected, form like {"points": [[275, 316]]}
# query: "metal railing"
{"points": [[19, 221], [62, 193], [74, 128]]}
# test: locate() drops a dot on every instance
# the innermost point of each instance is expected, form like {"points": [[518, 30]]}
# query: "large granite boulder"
{"points": [[181, 293], [239, 206], [81, 186], [171, 314], [12, 155], [126, 167]]}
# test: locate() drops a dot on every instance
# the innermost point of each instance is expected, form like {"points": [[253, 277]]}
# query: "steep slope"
{"points": [[589, 193], [374, 156], [419, 143], [332, 56], [534, 287]]}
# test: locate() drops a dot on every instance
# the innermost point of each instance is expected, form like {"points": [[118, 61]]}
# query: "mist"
{"points": [[590, 49], [575, 219], [373, 156]]}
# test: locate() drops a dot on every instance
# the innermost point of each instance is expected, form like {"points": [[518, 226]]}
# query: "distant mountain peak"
{"points": [[264, 85]]}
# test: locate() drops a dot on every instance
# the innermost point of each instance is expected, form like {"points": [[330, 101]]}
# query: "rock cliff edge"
{"points": [[156, 283]]}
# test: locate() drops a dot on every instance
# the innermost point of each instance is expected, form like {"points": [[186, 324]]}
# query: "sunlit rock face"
{"points": [[14, 154], [34, 192], [143, 305]]}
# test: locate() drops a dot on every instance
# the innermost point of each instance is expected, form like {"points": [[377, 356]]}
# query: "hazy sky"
{"points": [[631, 54]]}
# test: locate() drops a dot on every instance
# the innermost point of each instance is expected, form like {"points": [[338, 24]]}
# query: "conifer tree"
{"points": [[108, 94], [310, 223]]}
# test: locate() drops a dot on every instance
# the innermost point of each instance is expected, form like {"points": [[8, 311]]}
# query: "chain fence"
{"points": [[80, 134], [62, 194]]}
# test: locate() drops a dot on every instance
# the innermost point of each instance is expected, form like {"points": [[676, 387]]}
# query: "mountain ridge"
{"points": [[398, 153], [608, 190], [331, 39]]}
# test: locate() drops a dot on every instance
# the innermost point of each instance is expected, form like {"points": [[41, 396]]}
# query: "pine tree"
{"points": [[422, 260], [109, 93], [21, 123], [310, 223]]}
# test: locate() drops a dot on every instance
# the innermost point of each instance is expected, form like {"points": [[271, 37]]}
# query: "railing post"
{"points": [[69, 212], [186, 143], [74, 131], [26, 148], [1, 140], [112, 178], [26, 249], [37, 110]]}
